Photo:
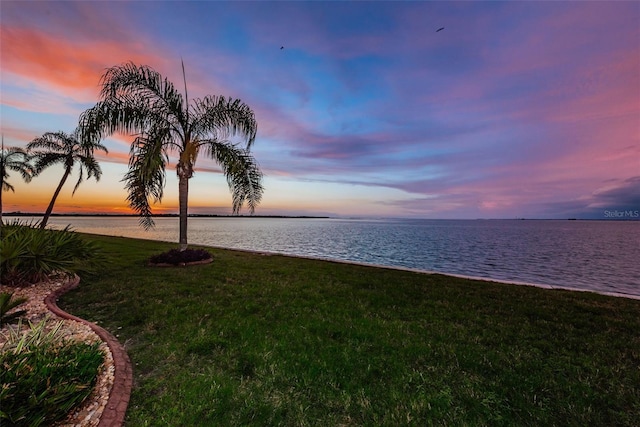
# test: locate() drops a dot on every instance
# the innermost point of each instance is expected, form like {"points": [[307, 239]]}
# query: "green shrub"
{"points": [[177, 257], [44, 377], [8, 303], [29, 254]]}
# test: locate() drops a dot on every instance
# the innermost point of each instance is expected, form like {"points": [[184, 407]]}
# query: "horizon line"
{"points": [[198, 215]]}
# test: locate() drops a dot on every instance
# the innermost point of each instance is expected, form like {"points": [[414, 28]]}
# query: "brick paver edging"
{"points": [[114, 411]]}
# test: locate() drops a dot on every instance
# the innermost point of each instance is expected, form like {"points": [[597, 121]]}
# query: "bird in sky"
{"points": [[439, 29], [281, 47]]}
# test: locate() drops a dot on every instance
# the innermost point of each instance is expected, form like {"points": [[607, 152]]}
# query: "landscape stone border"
{"points": [[116, 407]]}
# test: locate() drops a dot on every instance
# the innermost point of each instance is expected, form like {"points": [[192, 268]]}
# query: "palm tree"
{"points": [[69, 150], [13, 159], [137, 99]]}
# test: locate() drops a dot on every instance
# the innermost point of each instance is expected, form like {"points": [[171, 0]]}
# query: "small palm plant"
{"points": [[8, 303], [67, 149], [30, 254]]}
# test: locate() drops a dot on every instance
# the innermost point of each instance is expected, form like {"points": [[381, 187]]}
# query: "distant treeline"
{"points": [[162, 215]]}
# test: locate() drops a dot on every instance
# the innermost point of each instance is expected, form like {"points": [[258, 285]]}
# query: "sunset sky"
{"points": [[515, 109]]}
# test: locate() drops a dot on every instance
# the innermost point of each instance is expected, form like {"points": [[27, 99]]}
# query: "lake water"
{"points": [[601, 256]]}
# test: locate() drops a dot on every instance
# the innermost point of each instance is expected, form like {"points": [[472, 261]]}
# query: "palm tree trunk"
{"points": [[0, 204], [183, 196], [47, 214]]}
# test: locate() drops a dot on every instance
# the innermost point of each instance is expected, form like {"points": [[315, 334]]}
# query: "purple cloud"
{"points": [[513, 109]]}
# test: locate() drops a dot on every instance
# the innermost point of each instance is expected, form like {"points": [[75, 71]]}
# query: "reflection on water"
{"points": [[596, 255]]}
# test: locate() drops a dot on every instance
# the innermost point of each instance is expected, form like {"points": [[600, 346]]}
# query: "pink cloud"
{"points": [[17, 135], [62, 63]]}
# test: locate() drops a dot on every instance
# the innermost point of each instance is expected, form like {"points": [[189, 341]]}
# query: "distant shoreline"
{"points": [[22, 214], [175, 215]]}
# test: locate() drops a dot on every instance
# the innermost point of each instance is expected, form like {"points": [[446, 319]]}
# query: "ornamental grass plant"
{"points": [[43, 376], [253, 339]]}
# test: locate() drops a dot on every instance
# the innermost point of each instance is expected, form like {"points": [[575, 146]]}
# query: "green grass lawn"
{"points": [[256, 339]]}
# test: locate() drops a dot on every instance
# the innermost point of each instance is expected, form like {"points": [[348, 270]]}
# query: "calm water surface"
{"points": [[593, 255]]}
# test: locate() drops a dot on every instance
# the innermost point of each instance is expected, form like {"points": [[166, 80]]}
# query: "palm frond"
{"points": [[49, 149], [144, 86], [242, 172], [80, 179], [6, 187], [44, 160], [146, 176], [91, 165], [53, 141], [127, 115], [14, 159], [134, 112], [220, 118], [89, 145], [10, 152], [68, 149]]}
